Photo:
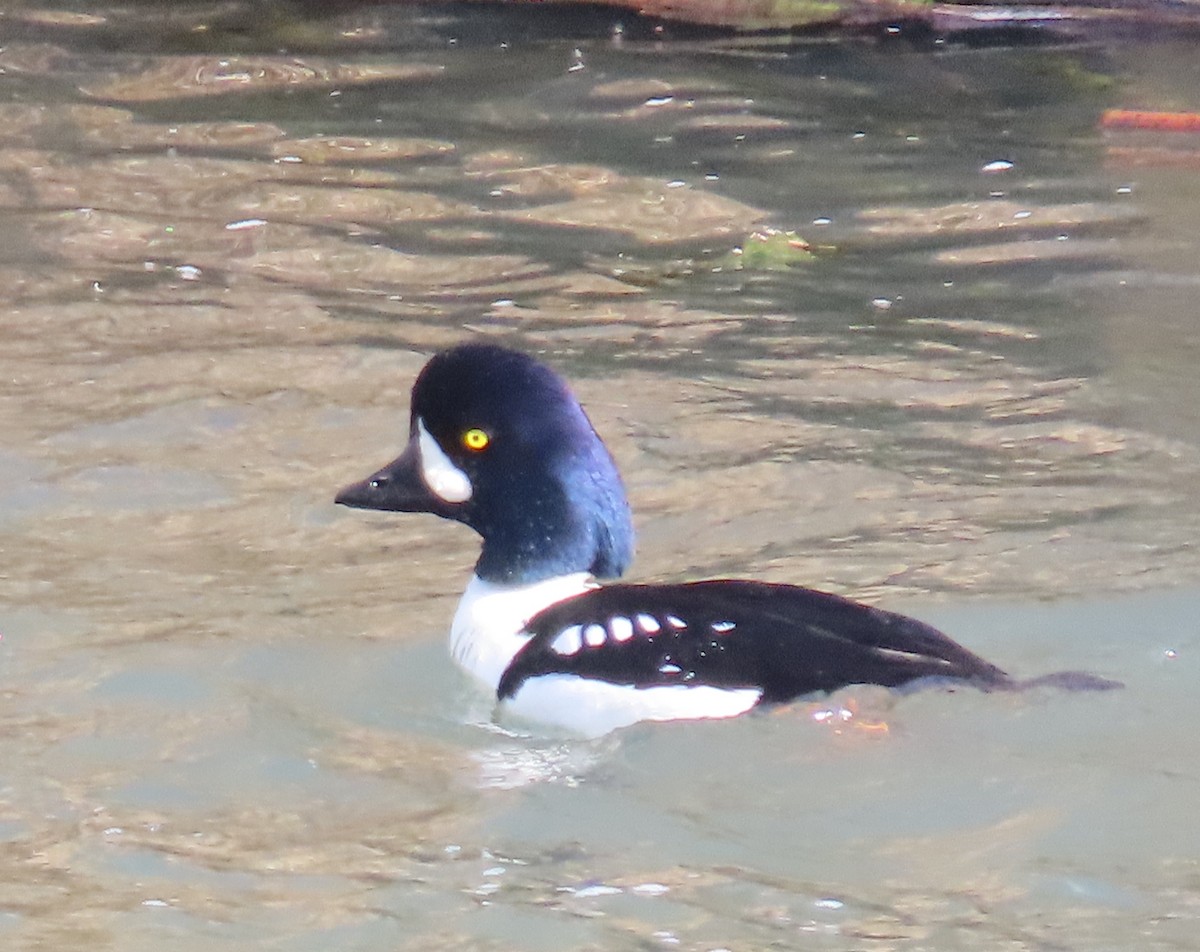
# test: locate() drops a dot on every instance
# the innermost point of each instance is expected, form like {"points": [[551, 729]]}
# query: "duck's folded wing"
{"points": [[781, 639]]}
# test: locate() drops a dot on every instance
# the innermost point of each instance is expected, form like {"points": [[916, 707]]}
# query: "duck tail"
{"points": [[1064, 681]]}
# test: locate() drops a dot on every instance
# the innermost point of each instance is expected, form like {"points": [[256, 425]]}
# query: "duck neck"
{"points": [[548, 532]]}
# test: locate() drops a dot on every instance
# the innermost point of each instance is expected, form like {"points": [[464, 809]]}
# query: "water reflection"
{"points": [[226, 711]]}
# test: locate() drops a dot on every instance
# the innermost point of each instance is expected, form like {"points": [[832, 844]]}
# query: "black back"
{"points": [[785, 640]]}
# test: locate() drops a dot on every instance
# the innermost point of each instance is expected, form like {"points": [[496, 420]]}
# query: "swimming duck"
{"points": [[497, 441]]}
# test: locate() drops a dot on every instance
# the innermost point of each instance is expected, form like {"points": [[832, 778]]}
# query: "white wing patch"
{"points": [[595, 635], [569, 641], [620, 627], [647, 624], [444, 479]]}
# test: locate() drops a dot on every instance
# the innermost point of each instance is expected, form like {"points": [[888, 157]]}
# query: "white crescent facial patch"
{"points": [[444, 479]]}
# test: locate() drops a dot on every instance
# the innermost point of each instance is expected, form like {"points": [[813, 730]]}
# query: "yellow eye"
{"points": [[475, 439]]}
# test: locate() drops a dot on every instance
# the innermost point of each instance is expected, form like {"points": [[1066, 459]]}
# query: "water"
{"points": [[227, 715]]}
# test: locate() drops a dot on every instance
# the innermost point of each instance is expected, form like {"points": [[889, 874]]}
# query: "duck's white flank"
{"points": [[593, 708], [488, 630]]}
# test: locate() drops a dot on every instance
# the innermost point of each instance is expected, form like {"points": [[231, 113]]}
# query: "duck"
{"points": [[499, 442]]}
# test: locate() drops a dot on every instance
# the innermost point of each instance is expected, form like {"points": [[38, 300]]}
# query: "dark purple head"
{"points": [[498, 441]]}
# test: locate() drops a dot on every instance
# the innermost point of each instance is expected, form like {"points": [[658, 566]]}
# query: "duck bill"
{"points": [[398, 487]]}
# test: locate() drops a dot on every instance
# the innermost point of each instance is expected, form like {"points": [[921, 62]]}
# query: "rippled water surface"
{"points": [[964, 387]]}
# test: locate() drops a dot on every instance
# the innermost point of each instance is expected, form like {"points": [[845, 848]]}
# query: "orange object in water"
{"points": [[1157, 121]]}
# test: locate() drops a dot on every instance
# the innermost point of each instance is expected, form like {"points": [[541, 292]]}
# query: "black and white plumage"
{"points": [[497, 441], [782, 640]]}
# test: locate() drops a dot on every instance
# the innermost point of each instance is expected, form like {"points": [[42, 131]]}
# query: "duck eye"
{"points": [[476, 439]]}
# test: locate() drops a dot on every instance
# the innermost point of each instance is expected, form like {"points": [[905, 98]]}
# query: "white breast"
{"points": [[488, 627]]}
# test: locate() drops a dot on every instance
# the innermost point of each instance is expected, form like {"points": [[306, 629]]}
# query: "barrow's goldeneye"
{"points": [[498, 441]]}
